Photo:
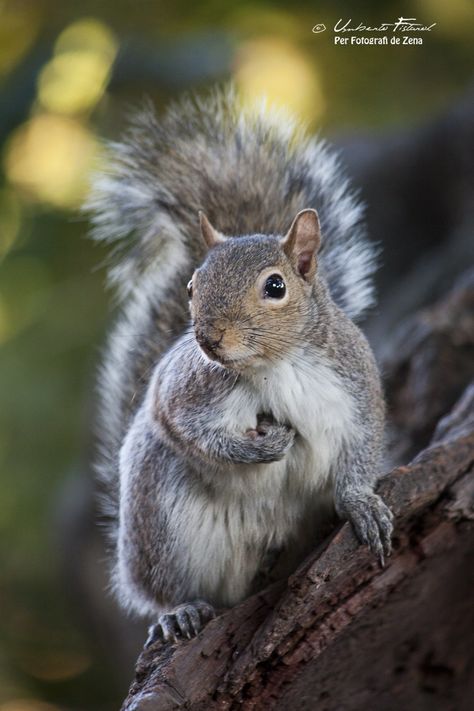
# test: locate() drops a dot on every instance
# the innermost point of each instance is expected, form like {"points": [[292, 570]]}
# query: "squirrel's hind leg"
{"points": [[184, 621]]}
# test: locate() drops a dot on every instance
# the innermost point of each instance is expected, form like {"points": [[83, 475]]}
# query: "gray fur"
{"points": [[220, 466]]}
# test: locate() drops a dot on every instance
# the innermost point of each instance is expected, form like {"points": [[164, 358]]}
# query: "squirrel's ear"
{"points": [[302, 242], [210, 236]]}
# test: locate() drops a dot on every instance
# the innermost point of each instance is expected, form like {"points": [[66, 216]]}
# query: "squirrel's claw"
{"points": [[185, 621], [372, 522]]}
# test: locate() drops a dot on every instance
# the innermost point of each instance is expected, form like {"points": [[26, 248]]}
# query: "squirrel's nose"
{"points": [[207, 343]]}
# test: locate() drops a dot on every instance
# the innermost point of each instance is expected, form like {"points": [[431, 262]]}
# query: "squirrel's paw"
{"points": [[271, 440], [372, 522], [184, 622]]}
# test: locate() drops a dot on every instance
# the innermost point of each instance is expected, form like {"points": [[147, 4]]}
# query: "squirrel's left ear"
{"points": [[210, 235], [302, 242]]}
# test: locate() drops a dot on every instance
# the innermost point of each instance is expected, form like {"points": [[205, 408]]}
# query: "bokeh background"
{"points": [[69, 74]]}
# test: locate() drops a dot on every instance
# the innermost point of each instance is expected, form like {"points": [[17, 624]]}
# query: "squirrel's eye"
{"points": [[190, 288], [274, 287]]}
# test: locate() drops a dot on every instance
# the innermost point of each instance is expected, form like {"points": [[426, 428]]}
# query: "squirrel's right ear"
{"points": [[210, 235], [302, 242]]}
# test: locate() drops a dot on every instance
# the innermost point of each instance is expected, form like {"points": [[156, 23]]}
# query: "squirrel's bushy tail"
{"points": [[251, 171]]}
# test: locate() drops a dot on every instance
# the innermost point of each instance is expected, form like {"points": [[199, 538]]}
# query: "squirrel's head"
{"points": [[251, 297]]}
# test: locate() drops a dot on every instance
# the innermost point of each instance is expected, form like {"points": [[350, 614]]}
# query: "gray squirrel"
{"points": [[231, 435]]}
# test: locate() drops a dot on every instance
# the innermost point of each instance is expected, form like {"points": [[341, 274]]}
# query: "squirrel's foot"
{"points": [[372, 522], [185, 621]]}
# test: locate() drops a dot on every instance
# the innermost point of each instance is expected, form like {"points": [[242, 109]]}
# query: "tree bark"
{"points": [[343, 633], [430, 362]]}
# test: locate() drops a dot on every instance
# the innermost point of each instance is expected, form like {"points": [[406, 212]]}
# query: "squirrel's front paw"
{"points": [[185, 621], [371, 519], [271, 440]]}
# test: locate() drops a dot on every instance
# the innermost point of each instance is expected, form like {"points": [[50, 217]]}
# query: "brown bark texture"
{"points": [[343, 633]]}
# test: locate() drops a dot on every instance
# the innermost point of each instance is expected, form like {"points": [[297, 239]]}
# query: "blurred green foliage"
{"points": [[68, 74]]}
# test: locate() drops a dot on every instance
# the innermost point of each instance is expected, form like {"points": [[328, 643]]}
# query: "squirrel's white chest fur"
{"points": [[264, 505], [310, 397]]}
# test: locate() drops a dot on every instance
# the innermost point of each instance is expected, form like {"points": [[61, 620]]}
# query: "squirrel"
{"points": [[241, 406]]}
